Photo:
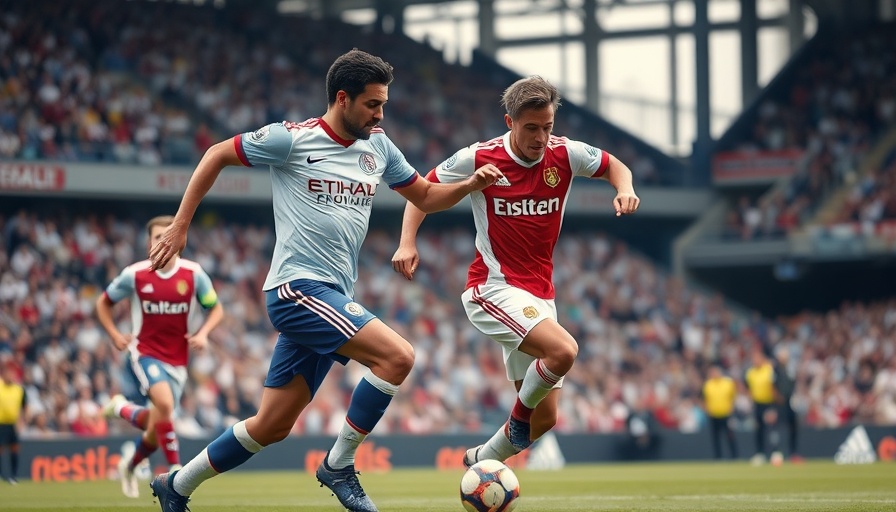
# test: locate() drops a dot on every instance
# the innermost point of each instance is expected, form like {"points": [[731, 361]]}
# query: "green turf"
{"points": [[692, 487]]}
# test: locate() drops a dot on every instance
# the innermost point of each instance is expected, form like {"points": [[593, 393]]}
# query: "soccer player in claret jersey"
{"points": [[324, 172], [510, 293], [165, 305]]}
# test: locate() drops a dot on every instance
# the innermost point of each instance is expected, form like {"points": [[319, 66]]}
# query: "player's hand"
{"points": [[173, 241], [121, 341], [485, 176], [405, 261], [626, 203], [197, 342]]}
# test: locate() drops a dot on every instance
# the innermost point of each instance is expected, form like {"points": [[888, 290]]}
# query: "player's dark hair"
{"points": [[352, 71], [533, 92], [161, 220]]}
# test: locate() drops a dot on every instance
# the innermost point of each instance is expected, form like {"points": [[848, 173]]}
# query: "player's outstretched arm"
{"points": [[433, 197], [426, 197], [174, 239], [620, 176], [406, 257]]}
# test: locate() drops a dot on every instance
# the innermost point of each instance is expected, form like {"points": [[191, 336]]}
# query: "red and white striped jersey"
{"points": [[518, 219]]}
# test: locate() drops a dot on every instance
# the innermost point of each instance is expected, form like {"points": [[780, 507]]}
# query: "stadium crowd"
{"points": [[134, 81], [841, 100], [645, 337], [151, 83]]}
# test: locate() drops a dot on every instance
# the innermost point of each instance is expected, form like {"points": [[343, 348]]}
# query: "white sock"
{"points": [[200, 469], [342, 453], [498, 447], [196, 471], [538, 382]]}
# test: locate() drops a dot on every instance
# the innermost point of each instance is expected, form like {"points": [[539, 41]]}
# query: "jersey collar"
{"points": [[517, 159], [344, 142], [169, 273]]}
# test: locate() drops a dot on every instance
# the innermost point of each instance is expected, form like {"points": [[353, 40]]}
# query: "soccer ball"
{"points": [[489, 486]]}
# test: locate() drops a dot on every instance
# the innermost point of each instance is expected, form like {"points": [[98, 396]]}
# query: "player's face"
{"points": [[530, 133], [363, 113], [155, 236]]}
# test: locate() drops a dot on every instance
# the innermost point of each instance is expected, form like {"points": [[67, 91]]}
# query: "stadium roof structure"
{"points": [[389, 16]]}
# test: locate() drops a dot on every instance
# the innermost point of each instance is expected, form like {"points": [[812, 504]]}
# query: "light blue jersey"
{"points": [[323, 189]]}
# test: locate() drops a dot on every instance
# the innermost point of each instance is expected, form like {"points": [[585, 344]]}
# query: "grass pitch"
{"points": [[691, 487]]}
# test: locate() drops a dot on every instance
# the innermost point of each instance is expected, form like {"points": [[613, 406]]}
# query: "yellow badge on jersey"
{"points": [[551, 177], [530, 312], [182, 287]]}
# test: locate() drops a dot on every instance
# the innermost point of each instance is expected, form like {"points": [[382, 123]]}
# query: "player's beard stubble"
{"points": [[356, 128]]}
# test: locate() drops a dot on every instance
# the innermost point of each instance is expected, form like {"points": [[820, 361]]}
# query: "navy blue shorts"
{"points": [[314, 319], [8, 434]]}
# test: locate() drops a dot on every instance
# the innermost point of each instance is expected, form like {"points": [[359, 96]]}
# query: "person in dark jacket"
{"points": [[785, 385]]}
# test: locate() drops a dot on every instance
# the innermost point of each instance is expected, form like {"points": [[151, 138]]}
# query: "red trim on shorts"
{"points": [[498, 314]]}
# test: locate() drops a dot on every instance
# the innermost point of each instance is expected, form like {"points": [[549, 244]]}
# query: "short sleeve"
{"points": [[458, 166], [205, 292], [399, 173], [268, 145], [587, 160], [122, 286]]}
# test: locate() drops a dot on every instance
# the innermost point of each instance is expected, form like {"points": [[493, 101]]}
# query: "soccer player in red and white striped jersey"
{"points": [[510, 293]]}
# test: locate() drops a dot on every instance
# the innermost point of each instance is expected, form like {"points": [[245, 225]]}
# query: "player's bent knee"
{"points": [[562, 358], [403, 362]]}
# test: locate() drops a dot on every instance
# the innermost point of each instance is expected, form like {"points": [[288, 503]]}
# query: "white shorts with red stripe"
{"points": [[506, 315]]}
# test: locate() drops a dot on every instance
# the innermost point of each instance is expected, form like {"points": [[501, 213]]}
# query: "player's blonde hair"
{"points": [[161, 220], [533, 92]]}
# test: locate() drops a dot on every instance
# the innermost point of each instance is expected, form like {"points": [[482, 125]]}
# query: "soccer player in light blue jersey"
{"points": [[325, 172]]}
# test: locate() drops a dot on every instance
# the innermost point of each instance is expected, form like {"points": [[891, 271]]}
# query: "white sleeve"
{"points": [[458, 167], [268, 145], [122, 286], [586, 160]]}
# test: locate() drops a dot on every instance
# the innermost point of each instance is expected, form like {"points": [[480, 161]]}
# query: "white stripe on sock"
{"points": [[242, 435]]}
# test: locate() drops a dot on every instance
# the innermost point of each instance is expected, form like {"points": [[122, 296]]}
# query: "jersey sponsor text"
{"points": [[165, 308], [507, 208], [342, 192]]}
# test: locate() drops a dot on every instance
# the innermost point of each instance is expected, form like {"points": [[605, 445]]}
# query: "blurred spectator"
{"points": [[785, 385]]}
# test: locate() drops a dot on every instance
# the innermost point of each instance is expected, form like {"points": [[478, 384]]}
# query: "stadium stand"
{"points": [[832, 105], [92, 81], [110, 85]]}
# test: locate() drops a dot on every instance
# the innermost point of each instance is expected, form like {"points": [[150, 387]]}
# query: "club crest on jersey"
{"points": [[451, 161], [551, 177], [354, 309], [530, 312], [367, 162], [182, 287]]}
